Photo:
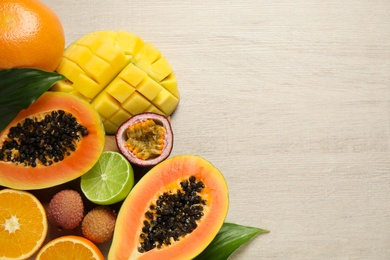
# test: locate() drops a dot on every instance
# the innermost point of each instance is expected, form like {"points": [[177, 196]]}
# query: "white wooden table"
{"points": [[289, 99]]}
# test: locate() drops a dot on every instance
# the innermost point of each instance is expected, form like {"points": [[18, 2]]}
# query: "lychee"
{"points": [[66, 209], [98, 224]]}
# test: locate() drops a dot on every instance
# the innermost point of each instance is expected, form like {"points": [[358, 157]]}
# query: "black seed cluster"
{"points": [[42, 141], [173, 215]]}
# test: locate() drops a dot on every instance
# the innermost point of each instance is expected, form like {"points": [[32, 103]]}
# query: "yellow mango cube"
{"points": [[166, 102], [70, 70], [109, 126], [130, 43], [170, 84], [149, 88], [91, 41], [120, 116], [161, 69], [136, 103], [119, 89], [80, 55], [132, 75], [86, 86], [68, 50], [62, 86], [153, 109], [105, 105], [148, 54], [114, 56], [99, 70]]}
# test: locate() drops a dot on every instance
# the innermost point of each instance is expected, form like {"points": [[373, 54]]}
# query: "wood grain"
{"points": [[290, 99]]}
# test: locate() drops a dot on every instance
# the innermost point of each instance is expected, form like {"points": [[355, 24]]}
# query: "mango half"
{"points": [[120, 75]]}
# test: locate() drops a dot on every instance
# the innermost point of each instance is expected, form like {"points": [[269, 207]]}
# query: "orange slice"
{"points": [[70, 247], [23, 224]]}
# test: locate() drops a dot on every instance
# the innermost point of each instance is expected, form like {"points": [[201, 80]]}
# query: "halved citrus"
{"points": [[70, 247], [109, 180], [23, 224]]}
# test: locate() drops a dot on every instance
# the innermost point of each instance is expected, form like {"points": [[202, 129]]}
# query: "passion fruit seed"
{"points": [[173, 215], [145, 139], [43, 140]]}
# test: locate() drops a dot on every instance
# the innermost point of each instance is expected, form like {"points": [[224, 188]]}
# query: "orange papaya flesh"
{"points": [[43, 167], [158, 205]]}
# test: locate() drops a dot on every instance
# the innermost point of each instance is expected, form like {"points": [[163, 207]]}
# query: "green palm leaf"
{"points": [[229, 238], [19, 88]]}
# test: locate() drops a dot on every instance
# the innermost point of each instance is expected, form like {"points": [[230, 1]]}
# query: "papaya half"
{"points": [[56, 139], [173, 212]]}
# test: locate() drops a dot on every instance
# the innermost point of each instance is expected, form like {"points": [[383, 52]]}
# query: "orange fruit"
{"points": [[31, 35], [23, 224], [70, 247]]}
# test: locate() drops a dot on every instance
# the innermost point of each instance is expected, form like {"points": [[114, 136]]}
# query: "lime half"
{"points": [[109, 180]]}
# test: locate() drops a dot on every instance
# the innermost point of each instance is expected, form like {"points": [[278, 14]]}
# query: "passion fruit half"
{"points": [[145, 139]]}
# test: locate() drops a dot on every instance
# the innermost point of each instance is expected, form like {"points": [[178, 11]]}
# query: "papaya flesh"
{"points": [[173, 212], [56, 139]]}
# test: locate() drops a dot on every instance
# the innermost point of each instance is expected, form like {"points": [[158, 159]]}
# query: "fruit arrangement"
{"points": [[55, 176]]}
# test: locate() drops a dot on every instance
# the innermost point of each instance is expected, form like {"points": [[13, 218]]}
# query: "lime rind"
{"points": [[109, 180]]}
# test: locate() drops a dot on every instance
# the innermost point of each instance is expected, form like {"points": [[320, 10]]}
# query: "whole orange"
{"points": [[31, 35]]}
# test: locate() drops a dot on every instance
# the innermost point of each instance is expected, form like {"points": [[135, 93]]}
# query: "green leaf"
{"points": [[230, 237], [19, 88]]}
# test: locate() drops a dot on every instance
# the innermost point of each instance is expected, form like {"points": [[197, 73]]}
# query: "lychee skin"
{"points": [[66, 209], [98, 224]]}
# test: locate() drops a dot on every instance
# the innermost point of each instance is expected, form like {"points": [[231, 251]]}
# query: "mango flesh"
{"points": [[120, 75]]}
